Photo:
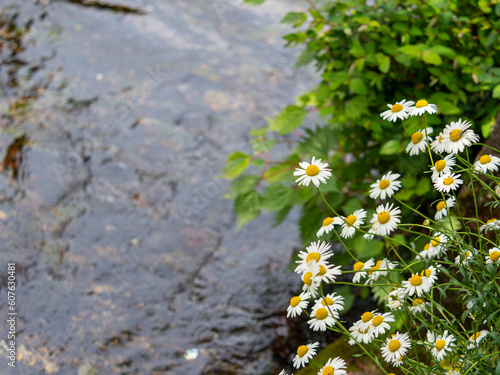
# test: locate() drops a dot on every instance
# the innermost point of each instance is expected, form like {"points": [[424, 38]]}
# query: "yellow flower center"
{"points": [[308, 278], [327, 301], [312, 170], [435, 241], [322, 270], [440, 344], [366, 317], [350, 220], [302, 350], [475, 336], [440, 164], [358, 266], [440, 205], [421, 103], [294, 301], [426, 273], [313, 256], [494, 255], [417, 301], [394, 345], [455, 135], [327, 221], [377, 320], [416, 137], [383, 217], [491, 221], [416, 280], [363, 331], [440, 138], [396, 108], [375, 267], [383, 184], [448, 181], [427, 245], [485, 159], [467, 254], [321, 313], [328, 370]]}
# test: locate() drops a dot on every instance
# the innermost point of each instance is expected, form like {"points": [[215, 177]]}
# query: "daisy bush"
{"points": [[438, 282]]}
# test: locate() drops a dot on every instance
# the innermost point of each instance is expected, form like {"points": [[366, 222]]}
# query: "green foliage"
{"points": [[446, 52]]}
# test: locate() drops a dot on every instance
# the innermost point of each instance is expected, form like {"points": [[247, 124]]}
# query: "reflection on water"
{"points": [[116, 120]]}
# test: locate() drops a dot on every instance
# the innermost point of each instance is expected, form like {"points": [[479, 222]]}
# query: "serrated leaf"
{"points": [[278, 172], [358, 86], [264, 145], [431, 57], [243, 184], [289, 119], [296, 18], [276, 197], [384, 65], [236, 163], [305, 58], [246, 207], [391, 147]]}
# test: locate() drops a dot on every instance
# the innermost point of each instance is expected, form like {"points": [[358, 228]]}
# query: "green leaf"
{"points": [[305, 58], [358, 86], [243, 185], [295, 18], [411, 50], [246, 207], [391, 147], [278, 172], [236, 163], [264, 145], [357, 107], [276, 197], [496, 91], [444, 51], [285, 122], [384, 64], [254, 2], [431, 57]]}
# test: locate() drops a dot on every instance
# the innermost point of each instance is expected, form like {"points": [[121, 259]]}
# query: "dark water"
{"points": [[114, 128]]}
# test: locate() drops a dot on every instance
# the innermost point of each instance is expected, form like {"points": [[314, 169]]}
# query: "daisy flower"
{"points": [[426, 253], [386, 219], [297, 303], [440, 344], [487, 163], [351, 222], [457, 135], [360, 266], [333, 302], [315, 172], [447, 182], [328, 273], [442, 208], [359, 335], [417, 285], [380, 323], [322, 318], [304, 354], [311, 281], [396, 298], [430, 274], [335, 366], [399, 110], [437, 144], [463, 259], [421, 107], [375, 272], [418, 141], [493, 256], [442, 167], [418, 305], [317, 251], [438, 244], [366, 320], [282, 372], [328, 224], [476, 338], [491, 224], [386, 186], [395, 348], [371, 233]]}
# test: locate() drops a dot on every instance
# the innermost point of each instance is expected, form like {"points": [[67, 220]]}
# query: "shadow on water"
{"points": [[115, 124]]}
